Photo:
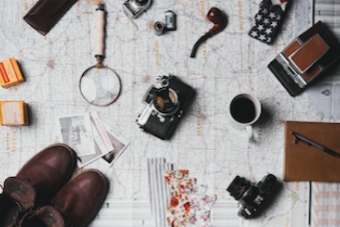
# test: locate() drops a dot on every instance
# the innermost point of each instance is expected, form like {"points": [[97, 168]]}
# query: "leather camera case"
{"points": [[46, 13]]}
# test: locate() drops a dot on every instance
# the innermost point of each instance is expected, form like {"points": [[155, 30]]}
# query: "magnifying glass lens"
{"points": [[100, 86]]}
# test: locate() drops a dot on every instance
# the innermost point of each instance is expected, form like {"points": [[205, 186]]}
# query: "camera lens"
{"points": [[238, 187], [166, 101]]}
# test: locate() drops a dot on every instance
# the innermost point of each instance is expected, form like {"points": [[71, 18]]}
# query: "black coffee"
{"points": [[242, 110]]}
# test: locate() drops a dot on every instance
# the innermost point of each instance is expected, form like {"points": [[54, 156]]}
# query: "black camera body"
{"points": [[166, 102], [250, 196]]}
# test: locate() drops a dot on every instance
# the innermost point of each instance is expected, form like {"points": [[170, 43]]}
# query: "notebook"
{"points": [[308, 163]]}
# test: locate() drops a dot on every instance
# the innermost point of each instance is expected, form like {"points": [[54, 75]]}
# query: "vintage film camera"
{"points": [[250, 196], [134, 8], [306, 58], [166, 102]]}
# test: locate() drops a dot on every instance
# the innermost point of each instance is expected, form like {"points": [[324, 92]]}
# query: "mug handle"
{"points": [[250, 133]]}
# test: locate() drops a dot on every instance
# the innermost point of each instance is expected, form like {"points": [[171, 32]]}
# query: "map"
{"points": [[325, 94], [204, 143]]}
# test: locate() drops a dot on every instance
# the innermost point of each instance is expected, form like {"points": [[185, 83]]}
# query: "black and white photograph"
{"points": [[100, 150], [76, 132], [119, 143]]}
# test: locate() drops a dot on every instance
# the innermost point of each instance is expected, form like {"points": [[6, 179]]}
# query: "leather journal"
{"points": [[46, 13], [304, 162]]}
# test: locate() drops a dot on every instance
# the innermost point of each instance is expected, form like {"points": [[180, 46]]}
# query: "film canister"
{"points": [[170, 20], [159, 27]]}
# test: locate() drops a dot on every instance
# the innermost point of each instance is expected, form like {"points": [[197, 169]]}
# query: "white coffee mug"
{"points": [[244, 110]]}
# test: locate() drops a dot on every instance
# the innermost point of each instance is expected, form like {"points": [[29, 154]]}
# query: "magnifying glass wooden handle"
{"points": [[99, 85], [100, 23]]}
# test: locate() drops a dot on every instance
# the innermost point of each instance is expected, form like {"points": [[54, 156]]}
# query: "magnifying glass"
{"points": [[100, 85]]}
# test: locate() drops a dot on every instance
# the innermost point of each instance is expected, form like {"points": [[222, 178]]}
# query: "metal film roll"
{"points": [[159, 27], [170, 20]]}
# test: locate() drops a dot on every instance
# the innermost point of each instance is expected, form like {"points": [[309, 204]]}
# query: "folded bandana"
{"points": [[267, 20], [201, 204], [179, 207]]}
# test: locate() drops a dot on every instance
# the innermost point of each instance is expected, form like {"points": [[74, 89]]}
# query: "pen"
{"points": [[310, 142]]}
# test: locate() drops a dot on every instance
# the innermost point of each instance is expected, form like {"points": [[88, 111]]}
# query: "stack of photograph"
{"points": [[91, 138]]}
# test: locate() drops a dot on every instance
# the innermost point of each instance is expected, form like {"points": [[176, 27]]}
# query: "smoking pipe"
{"points": [[220, 22]]}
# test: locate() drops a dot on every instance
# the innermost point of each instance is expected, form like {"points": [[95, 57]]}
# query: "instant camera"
{"points": [[251, 196], [166, 102], [305, 58], [134, 8]]}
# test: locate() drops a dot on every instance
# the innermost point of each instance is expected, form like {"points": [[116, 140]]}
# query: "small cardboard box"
{"points": [[10, 73], [13, 113]]}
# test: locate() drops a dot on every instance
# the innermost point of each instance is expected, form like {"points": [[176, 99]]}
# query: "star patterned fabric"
{"points": [[267, 20]]}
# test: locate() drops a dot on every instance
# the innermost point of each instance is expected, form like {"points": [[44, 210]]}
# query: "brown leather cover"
{"points": [[46, 13], [308, 163], [309, 53], [333, 53]]}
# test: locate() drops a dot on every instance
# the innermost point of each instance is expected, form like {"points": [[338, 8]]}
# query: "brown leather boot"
{"points": [[17, 197], [36, 182], [45, 216], [76, 204]]}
